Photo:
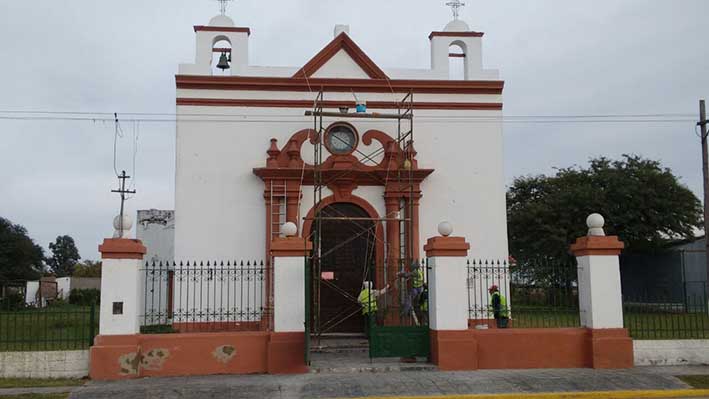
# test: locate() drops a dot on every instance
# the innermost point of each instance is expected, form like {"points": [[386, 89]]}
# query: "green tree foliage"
{"points": [[642, 202], [64, 256], [88, 268], [20, 257]]}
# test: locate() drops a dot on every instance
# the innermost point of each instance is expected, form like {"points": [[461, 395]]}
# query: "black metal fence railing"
{"points": [[203, 296], [655, 318], [538, 294], [58, 326]]}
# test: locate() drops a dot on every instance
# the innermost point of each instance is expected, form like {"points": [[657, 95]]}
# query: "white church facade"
{"points": [[244, 161]]}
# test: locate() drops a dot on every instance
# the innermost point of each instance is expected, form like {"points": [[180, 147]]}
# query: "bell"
{"points": [[223, 62]]}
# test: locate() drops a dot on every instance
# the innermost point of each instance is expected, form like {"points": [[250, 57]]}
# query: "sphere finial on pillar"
{"points": [[289, 229], [122, 227], [445, 228], [595, 223]]}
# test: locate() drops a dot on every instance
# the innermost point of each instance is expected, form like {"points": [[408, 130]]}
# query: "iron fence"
{"points": [[59, 326], [538, 294], [204, 296], [653, 318]]}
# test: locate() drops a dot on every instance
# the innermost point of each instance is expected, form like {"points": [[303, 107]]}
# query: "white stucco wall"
{"points": [[63, 287], [156, 229], [31, 292], [121, 281], [448, 302], [289, 294], [54, 364], [680, 352], [600, 298], [219, 205]]}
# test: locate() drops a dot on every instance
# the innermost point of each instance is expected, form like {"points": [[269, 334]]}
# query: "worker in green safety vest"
{"points": [[368, 300], [498, 307]]}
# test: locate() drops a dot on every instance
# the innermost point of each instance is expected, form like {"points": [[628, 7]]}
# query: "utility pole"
{"points": [[705, 172]]}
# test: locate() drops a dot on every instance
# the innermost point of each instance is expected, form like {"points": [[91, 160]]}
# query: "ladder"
{"points": [[278, 207]]}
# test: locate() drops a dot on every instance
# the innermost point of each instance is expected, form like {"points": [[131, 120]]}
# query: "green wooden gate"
{"points": [[398, 330]]}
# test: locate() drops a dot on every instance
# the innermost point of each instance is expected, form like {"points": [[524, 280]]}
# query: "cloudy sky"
{"points": [[558, 57]]}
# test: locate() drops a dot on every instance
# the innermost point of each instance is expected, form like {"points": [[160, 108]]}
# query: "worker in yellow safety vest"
{"points": [[498, 307], [417, 282], [368, 300]]}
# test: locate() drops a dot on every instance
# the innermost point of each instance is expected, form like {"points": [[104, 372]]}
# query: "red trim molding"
{"points": [[217, 102], [446, 246], [205, 28], [341, 42], [290, 247], [122, 248], [253, 83], [455, 34], [597, 245]]}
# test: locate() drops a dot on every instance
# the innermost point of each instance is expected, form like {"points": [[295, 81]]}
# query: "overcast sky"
{"points": [[558, 57]]}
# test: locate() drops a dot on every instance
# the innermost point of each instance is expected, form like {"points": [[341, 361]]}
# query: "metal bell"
{"points": [[223, 62]]}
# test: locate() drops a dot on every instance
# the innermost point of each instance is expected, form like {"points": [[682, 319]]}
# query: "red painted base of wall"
{"points": [[162, 355], [531, 348]]}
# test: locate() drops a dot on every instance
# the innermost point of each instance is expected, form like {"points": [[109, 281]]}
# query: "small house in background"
{"points": [[156, 229], [67, 284], [677, 274]]}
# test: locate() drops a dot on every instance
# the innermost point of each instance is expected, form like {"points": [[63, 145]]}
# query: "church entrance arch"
{"points": [[350, 250]]}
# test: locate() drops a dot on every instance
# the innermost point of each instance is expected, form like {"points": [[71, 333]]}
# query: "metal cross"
{"points": [[122, 190], [222, 5], [455, 5]]}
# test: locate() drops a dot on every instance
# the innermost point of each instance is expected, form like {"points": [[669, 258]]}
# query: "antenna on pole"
{"points": [[455, 6], [222, 5]]}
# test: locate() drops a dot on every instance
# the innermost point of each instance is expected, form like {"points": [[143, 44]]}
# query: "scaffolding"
{"points": [[401, 181]]}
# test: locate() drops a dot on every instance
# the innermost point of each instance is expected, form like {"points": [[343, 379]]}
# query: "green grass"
{"points": [[39, 382], [696, 381], [61, 327]]}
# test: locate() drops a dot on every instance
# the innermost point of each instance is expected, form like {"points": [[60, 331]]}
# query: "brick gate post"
{"points": [[600, 298], [452, 348]]}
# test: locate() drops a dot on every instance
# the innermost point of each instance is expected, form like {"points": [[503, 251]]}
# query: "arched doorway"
{"points": [[348, 256]]}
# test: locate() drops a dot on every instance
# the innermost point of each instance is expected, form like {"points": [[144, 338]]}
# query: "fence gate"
{"points": [[399, 326]]}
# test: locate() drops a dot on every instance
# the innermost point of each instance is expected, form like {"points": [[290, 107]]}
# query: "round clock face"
{"points": [[341, 139]]}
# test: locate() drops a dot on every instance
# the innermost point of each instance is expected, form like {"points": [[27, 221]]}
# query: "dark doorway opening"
{"points": [[348, 258]]}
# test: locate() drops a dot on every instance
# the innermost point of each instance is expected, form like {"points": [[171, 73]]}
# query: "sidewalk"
{"points": [[404, 383]]}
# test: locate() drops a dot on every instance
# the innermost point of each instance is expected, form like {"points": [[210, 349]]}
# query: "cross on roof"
{"points": [[222, 5], [455, 6]]}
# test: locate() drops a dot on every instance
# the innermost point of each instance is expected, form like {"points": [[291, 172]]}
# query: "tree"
{"points": [[642, 202], [64, 256], [20, 257], [88, 268]]}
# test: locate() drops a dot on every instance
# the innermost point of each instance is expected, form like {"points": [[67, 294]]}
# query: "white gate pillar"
{"points": [[287, 342], [452, 348], [121, 281], [600, 297]]}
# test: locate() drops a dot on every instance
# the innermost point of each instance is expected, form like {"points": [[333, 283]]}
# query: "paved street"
{"points": [[405, 383]]}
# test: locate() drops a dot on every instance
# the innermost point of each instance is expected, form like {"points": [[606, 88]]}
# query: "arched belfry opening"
{"points": [[457, 61], [221, 56]]}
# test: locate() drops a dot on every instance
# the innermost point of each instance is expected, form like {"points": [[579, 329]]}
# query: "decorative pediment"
{"points": [[341, 52]]}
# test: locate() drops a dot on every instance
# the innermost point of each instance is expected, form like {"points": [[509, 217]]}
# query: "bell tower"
{"points": [[449, 42], [220, 29]]}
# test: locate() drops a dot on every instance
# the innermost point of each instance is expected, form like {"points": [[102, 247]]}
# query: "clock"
{"points": [[341, 138]]}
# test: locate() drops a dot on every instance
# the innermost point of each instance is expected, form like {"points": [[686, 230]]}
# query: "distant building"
{"points": [[156, 228]]}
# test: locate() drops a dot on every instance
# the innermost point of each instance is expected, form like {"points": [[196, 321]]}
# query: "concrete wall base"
{"points": [[49, 364], [677, 352], [531, 348], [162, 355]]}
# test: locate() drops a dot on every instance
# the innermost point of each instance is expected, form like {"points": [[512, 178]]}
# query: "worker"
{"points": [[498, 305], [417, 281], [368, 300]]}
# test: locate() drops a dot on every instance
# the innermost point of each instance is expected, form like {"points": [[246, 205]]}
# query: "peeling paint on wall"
{"points": [[224, 353], [131, 363]]}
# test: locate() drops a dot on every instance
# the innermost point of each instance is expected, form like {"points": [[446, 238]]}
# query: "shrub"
{"points": [[85, 297], [14, 301]]}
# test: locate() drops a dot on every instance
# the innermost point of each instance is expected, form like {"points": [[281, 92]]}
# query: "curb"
{"points": [[669, 393]]}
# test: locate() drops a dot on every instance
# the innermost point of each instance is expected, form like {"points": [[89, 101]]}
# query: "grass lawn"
{"points": [[39, 382], [38, 396], [696, 381], [61, 327]]}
